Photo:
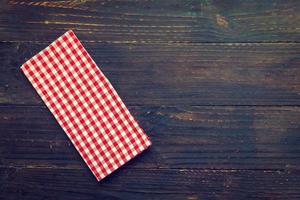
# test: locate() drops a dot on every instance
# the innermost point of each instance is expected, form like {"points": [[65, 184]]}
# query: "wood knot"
{"points": [[221, 21]]}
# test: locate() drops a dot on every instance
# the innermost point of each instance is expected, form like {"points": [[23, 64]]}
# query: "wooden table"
{"points": [[215, 84]]}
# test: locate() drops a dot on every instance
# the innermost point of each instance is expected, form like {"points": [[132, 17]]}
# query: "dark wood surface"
{"points": [[215, 84]]}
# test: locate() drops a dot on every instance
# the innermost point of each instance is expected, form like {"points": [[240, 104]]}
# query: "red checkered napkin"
{"points": [[85, 105]]}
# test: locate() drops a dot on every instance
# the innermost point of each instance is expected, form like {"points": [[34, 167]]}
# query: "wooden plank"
{"points": [[191, 74], [41, 183], [214, 83], [206, 137], [152, 21]]}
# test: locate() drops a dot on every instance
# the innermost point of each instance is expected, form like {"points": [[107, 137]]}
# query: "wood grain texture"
{"points": [[206, 137], [149, 184], [214, 83], [192, 74], [132, 21]]}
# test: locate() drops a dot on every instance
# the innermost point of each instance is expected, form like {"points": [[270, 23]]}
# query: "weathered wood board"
{"points": [[215, 84]]}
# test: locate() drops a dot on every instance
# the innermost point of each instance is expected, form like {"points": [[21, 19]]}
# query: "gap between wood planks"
{"points": [[256, 43]]}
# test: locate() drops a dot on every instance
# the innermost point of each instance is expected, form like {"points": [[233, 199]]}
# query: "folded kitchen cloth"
{"points": [[85, 105]]}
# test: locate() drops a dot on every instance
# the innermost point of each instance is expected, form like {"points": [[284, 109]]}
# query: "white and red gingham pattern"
{"points": [[86, 105]]}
